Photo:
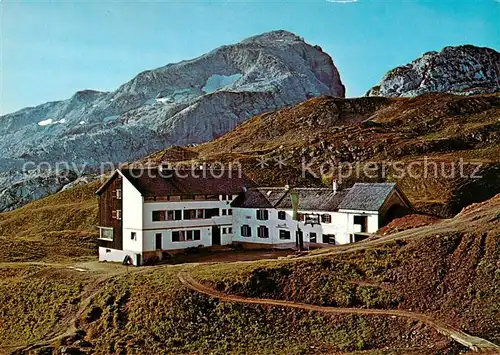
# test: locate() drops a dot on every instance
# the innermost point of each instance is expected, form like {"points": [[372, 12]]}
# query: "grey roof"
{"points": [[260, 197], [315, 199], [310, 199], [367, 197]]}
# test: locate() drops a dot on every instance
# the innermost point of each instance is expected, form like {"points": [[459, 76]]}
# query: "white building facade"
{"points": [[146, 218], [261, 219]]}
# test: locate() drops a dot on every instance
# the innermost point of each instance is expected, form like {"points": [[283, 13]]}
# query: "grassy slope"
{"points": [[453, 274], [449, 270], [150, 312], [57, 227], [154, 313], [36, 301]]}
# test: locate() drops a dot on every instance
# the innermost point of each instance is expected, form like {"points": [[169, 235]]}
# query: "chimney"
{"points": [[165, 170], [334, 186]]}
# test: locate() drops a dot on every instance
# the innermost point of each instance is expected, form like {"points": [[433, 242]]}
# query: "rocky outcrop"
{"points": [[462, 70], [188, 102], [24, 187]]}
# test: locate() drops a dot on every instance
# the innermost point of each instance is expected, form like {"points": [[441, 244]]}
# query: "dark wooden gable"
{"points": [[110, 207]]}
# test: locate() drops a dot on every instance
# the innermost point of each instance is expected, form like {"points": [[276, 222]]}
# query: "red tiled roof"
{"points": [[153, 183]]}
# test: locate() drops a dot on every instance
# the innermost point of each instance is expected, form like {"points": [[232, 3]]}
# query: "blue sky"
{"points": [[49, 50]]}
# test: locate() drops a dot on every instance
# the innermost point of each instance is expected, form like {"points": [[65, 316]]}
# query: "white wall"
{"points": [[227, 238], [372, 226], [132, 205], [115, 255], [166, 227], [248, 216], [168, 244]]}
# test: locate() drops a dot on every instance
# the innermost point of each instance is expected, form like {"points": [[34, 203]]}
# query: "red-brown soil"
{"points": [[407, 222]]}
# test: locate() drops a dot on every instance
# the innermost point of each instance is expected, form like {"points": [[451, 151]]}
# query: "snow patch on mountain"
{"points": [[45, 122], [216, 82], [110, 118]]}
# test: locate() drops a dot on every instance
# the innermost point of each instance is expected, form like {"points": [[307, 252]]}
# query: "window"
{"points": [[363, 222], [263, 232], [133, 236], [284, 234], [200, 213], [224, 231], [118, 194], [158, 216], [212, 212], [229, 230], [312, 237], [178, 236], [158, 241], [282, 215], [171, 215], [189, 214], [262, 215], [118, 214], [229, 212], [326, 218], [224, 212], [186, 236], [301, 216], [107, 233], [246, 231], [329, 238]]}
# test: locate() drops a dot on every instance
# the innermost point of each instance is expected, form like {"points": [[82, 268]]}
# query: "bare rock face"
{"points": [[462, 70], [188, 102]]}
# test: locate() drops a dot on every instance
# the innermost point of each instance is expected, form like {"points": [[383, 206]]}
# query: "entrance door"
{"points": [[158, 241], [215, 235], [299, 240]]}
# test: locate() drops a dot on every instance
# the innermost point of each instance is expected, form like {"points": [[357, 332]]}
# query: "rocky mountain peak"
{"points": [[273, 36], [192, 101], [462, 70]]}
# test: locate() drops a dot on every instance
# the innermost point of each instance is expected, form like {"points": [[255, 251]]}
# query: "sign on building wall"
{"points": [[311, 219]]}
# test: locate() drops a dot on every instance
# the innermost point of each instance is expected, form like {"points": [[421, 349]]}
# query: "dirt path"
{"points": [[472, 342]]}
